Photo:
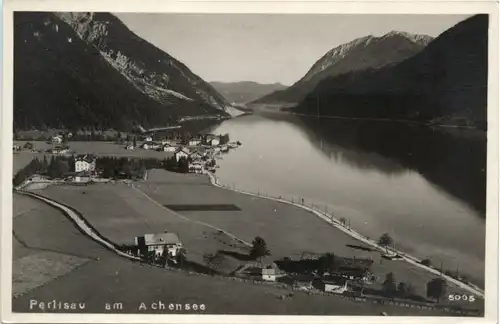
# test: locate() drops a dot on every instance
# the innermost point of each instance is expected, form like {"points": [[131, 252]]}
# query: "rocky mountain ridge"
{"points": [[151, 70], [362, 53], [446, 83]]}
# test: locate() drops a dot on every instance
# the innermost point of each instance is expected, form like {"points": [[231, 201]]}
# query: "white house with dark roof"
{"points": [[57, 139], [159, 243], [85, 163], [182, 152], [60, 150], [167, 147], [194, 141]]}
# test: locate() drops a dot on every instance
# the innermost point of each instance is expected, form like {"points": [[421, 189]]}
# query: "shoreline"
{"points": [[337, 224]]}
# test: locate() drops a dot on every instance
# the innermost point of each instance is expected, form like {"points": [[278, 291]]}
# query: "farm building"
{"points": [[269, 274], [337, 285], [159, 243], [303, 282]]}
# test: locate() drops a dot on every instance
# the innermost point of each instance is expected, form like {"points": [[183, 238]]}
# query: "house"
{"points": [[60, 150], [16, 148], [148, 139], [196, 156], [194, 141], [57, 139], [159, 243], [181, 153], [129, 147], [195, 167], [85, 163], [207, 138], [303, 282], [337, 285], [269, 274], [224, 148], [150, 145], [168, 148], [215, 141]]}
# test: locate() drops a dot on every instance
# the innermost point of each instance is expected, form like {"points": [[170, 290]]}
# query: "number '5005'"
{"points": [[469, 298]]}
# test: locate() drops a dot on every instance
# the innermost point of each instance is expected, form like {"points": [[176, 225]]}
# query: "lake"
{"points": [[425, 187]]}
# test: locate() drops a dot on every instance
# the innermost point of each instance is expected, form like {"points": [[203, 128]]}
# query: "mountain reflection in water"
{"points": [[423, 186], [452, 159]]}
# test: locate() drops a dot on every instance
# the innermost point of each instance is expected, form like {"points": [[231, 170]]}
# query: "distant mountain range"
{"points": [[245, 91], [90, 70], [445, 83], [359, 54]]}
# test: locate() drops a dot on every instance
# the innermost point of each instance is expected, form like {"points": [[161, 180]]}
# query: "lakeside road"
{"points": [[335, 222]]}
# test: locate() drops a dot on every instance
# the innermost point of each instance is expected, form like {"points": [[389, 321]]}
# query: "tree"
{"points": [[327, 262], [405, 289], [436, 288], [45, 165], [135, 141], [28, 146], [259, 248], [426, 262], [389, 285], [183, 165], [343, 221], [385, 240]]}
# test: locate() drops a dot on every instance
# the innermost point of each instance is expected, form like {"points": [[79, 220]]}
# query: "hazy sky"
{"points": [[267, 48]]}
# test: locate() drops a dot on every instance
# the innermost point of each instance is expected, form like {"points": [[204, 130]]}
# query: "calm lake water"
{"points": [[424, 187]]}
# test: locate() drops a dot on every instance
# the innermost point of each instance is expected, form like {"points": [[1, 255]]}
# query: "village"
{"points": [[199, 152]]}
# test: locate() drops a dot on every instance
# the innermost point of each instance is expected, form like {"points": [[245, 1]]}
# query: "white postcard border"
{"points": [[206, 6]]}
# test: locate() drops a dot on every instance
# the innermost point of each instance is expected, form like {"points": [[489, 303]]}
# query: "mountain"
{"points": [[444, 83], [90, 70], [359, 54], [245, 91]]}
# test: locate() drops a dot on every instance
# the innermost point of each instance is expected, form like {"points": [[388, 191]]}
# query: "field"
{"points": [[38, 260], [111, 279], [121, 212]]}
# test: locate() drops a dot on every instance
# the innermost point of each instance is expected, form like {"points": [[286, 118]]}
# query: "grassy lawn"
{"points": [[120, 213], [38, 255], [288, 231], [114, 279]]}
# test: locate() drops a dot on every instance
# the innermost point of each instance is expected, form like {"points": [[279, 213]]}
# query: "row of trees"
{"points": [[113, 167], [57, 167]]}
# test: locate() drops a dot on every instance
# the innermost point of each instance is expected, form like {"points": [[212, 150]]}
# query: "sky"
{"points": [[267, 48]]}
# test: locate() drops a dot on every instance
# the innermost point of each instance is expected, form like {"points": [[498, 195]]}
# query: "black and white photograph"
{"points": [[320, 164]]}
